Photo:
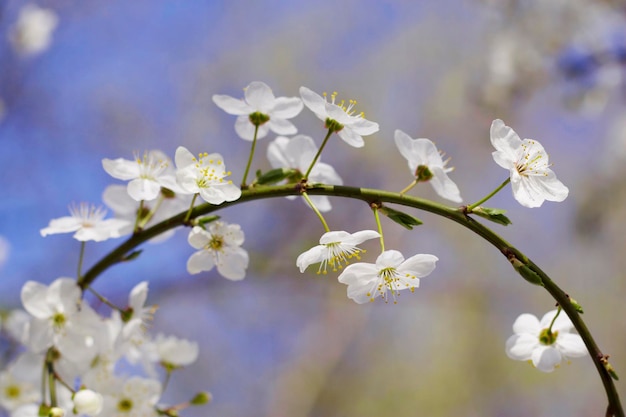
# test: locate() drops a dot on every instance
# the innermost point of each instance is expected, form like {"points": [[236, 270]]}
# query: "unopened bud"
{"points": [[87, 402], [526, 273], [201, 398], [56, 412]]}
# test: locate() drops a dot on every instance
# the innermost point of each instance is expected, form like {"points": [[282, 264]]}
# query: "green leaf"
{"points": [[526, 273], [403, 219], [493, 214], [275, 175]]}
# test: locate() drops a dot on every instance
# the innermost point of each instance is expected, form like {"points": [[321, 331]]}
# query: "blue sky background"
{"points": [[129, 76]]}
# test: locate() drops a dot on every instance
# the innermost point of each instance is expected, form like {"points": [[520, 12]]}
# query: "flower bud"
{"points": [[201, 398], [56, 412], [87, 402]]}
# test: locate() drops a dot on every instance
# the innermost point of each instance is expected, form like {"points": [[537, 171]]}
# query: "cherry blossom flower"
{"points": [[338, 117], [32, 33], [390, 272], [426, 163], [16, 392], [134, 397], [298, 153], [261, 107], [88, 222], [544, 349], [205, 175], [147, 174], [532, 180], [218, 246], [173, 352], [335, 248]]}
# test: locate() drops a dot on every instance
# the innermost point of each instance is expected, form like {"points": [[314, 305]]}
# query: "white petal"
{"points": [[61, 225], [34, 300], [389, 259], [117, 199], [545, 358], [198, 237], [505, 140], [444, 186], [571, 345], [312, 256], [183, 158], [322, 203], [419, 265], [364, 127], [245, 129], [120, 168], [282, 127], [200, 261], [315, 102], [286, 107], [233, 263], [143, 189], [232, 105], [358, 273], [520, 347], [404, 144], [259, 96], [66, 293], [138, 296], [527, 323], [277, 155], [351, 137]]}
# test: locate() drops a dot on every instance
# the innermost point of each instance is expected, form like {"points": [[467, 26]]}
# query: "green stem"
{"points": [[188, 216], [319, 152], [152, 212], [372, 196], [245, 174], [558, 311], [380, 230], [139, 211], [81, 255], [408, 187], [319, 215], [51, 381], [488, 196], [103, 299]]}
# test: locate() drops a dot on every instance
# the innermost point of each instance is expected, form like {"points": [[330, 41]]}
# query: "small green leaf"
{"points": [[403, 219], [493, 214], [577, 306], [526, 273], [132, 256], [275, 175]]}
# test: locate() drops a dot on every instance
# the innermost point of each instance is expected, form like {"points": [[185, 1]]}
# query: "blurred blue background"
{"points": [[121, 76]]}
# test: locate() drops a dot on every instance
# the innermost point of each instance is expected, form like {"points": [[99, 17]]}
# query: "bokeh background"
{"points": [[119, 76]]}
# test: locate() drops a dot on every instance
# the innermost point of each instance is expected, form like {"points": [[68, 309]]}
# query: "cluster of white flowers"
{"points": [[79, 349]]}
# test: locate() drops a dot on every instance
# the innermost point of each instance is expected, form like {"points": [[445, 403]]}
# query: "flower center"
{"points": [[338, 254], [88, 214], [423, 174], [547, 337], [216, 243], [150, 166], [258, 118], [125, 405], [12, 391], [531, 162], [58, 321], [212, 173]]}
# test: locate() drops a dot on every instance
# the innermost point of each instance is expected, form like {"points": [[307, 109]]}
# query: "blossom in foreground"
{"points": [[545, 350], [390, 272], [205, 175], [147, 174], [532, 179], [173, 352], [335, 249], [298, 153], [219, 246], [133, 397], [426, 163], [261, 107], [88, 222], [339, 118]]}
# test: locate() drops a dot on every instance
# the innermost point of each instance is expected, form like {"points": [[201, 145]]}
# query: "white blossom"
{"points": [[532, 179], [391, 272], [32, 33], [259, 101], [219, 246], [88, 222], [339, 117]]}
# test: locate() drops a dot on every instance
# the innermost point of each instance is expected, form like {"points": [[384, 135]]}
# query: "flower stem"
{"points": [[152, 212], [319, 152], [51, 382], [245, 174], [488, 196], [139, 211], [408, 187], [319, 215], [193, 201], [380, 229], [558, 311], [80, 259], [103, 299]]}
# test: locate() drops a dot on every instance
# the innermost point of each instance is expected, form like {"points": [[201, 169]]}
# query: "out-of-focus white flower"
{"points": [[545, 349], [219, 246], [390, 272], [260, 107], [88, 222], [134, 397], [146, 174], [426, 164], [205, 175], [298, 153], [32, 32], [174, 352], [335, 248], [532, 180], [339, 118], [87, 402], [15, 392]]}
